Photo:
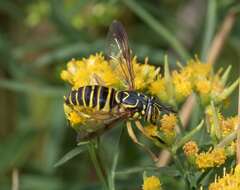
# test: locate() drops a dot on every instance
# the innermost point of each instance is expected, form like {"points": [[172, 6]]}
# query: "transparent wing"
{"points": [[97, 123], [119, 53]]}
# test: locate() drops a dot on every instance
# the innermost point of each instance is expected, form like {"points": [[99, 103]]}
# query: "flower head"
{"points": [[182, 85], [73, 116], [168, 123], [151, 183], [190, 148], [151, 130], [210, 159]]}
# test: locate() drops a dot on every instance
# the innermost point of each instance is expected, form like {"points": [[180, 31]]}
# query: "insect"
{"points": [[104, 106]]}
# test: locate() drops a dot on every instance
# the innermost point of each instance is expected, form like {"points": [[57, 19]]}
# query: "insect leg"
{"points": [[135, 140], [140, 127]]}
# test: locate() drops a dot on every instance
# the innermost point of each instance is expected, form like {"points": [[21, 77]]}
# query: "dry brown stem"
{"points": [[15, 179], [221, 37]]}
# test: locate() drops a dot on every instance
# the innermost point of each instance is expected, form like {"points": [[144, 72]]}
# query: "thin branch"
{"points": [[221, 37]]}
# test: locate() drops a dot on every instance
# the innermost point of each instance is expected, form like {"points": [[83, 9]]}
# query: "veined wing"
{"points": [[119, 53], [97, 123]]}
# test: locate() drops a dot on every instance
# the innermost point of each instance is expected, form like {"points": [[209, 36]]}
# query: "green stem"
{"points": [[187, 137], [209, 28], [159, 28], [98, 165], [178, 163], [114, 163]]}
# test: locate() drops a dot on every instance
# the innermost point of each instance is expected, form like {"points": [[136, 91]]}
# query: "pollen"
{"points": [[190, 148], [151, 183]]}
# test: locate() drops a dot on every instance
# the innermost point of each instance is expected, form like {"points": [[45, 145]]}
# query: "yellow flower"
{"points": [[203, 86], [151, 183], [210, 159], [73, 116], [197, 69], [158, 88], [190, 148], [145, 74], [151, 130], [168, 123], [230, 181], [228, 125], [182, 85], [88, 70]]}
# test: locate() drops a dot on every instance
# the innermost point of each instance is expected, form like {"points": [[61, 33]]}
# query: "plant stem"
{"points": [[159, 28], [98, 165]]}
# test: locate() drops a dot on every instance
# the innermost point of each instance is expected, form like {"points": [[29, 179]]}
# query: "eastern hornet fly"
{"points": [[110, 105]]}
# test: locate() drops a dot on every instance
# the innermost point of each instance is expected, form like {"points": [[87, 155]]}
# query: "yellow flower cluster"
{"points": [[151, 183], [229, 181], [97, 70], [90, 71], [172, 88], [212, 158], [195, 76], [226, 125]]}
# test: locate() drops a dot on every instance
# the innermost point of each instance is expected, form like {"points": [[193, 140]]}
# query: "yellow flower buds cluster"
{"points": [[212, 158], [204, 160]]}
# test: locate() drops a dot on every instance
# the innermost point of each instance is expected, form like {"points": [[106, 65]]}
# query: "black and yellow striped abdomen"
{"points": [[93, 96]]}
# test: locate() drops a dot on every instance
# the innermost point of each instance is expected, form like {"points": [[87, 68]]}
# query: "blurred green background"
{"points": [[38, 37]]}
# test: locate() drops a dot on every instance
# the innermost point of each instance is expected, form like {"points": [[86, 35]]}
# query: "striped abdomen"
{"points": [[94, 96]]}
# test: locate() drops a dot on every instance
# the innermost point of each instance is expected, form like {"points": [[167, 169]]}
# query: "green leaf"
{"points": [[71, 154], [67, 52]]}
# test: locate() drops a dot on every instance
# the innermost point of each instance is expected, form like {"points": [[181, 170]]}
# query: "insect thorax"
{"points": [[140, 105]]}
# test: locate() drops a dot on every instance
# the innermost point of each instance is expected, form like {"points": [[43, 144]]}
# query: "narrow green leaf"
{"points": [[209, 27], [71, 154], [187, 137], [43, 90], [225, 75], [227, 91]]}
